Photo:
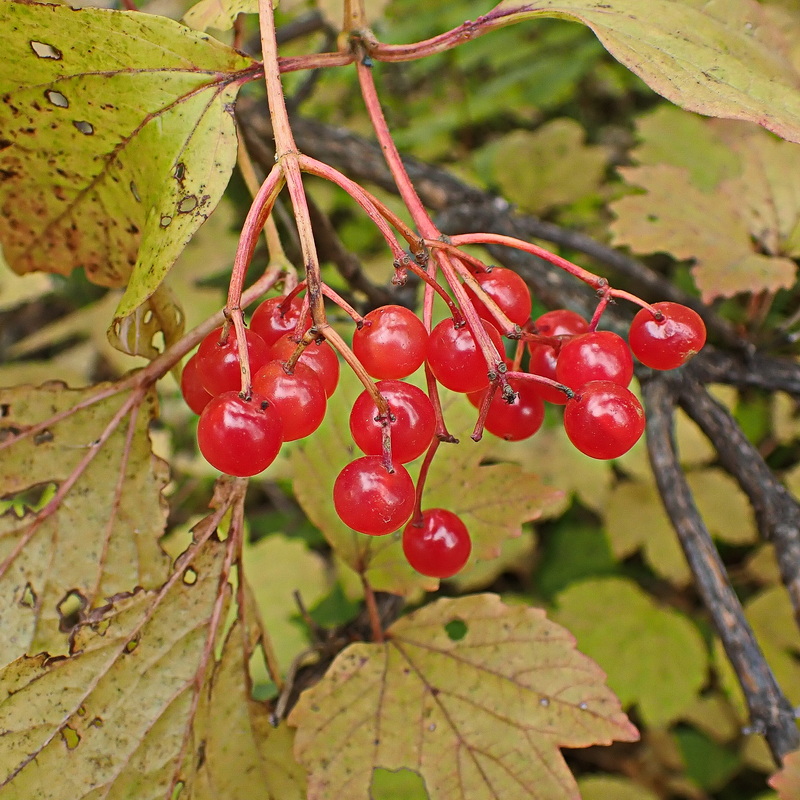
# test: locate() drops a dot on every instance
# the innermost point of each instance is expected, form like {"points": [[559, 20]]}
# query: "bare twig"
{"points": [[777, 512], [771, 712]]}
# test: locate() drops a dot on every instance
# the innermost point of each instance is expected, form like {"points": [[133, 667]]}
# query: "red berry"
{"points": [[240, 437], [439, 546], [668, 342], [520, 419], [321, 358], [371, 500], [299, 397], [595, 356], [392, 342], [411, 429], [455, 358], [559, 322], [271, 321], [508, 290], [218, 361], [603, 420], [192, 388]]}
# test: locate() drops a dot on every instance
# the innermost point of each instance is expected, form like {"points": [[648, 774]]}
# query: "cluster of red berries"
{"points": [[585, 370]]}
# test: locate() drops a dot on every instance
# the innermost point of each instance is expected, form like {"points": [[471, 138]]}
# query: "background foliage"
{"points": [[537, 112]]}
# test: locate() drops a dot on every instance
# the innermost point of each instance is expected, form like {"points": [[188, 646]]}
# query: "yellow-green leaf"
{"points": [[110, 719], [624, 630], [117, 141], [674, 216], [610, 787], [219, 14], [473, 695], [731, 58], [101, 537]]}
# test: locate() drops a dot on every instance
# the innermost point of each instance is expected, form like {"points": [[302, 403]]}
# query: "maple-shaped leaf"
{"points": [[90, 509], [620, 626], [712, 229], [473, 695], [786, 782], [117, 141], [731, 58], [493, 500]]}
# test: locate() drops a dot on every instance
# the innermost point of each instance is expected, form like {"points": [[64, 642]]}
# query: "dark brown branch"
{"points": [[770, 711], [777, 512]]}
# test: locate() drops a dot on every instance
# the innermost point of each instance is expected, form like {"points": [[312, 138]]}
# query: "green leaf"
{"points": [[708, 764], [613, 616], [731, 58], [674, 216], [276, 567], [549, 167], [101, 537], [219, 14], [609, 787], [477, 715], [118, 140]]}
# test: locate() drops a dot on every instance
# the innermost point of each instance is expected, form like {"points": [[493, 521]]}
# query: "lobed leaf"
{"points": [[61, 556], [473, 695], [117, 141], [613, 616], [730, 58]]}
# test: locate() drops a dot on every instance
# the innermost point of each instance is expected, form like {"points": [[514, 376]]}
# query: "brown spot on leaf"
{"points": [[43, 436], [69, 610]]}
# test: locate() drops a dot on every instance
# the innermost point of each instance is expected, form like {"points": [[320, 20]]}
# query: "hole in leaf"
{"points": [[387, 784], [28, 501], [190, 576], [188, 204], [70, 737], [176, 792], [148, 316], [456, 629], [84, 127], [44, 50], [131, 645], [165, 221], [43, 436], [135, 192], [97, 722], [56, 98], [81, 711], [69, 610], [5, 409], [28, 599], [180, 171]]}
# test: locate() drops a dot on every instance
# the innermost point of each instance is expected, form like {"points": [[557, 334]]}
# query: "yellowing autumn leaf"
{"points": [[96, 534], [93, 179], [730, 58], [621, 627], [218, 14], [674, 216], [473, 695]]}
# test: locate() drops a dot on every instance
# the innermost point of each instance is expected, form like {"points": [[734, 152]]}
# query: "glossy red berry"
{"points": [[371, 500], [274, 318], [411, 429], [437, 546], [299, 397], [508, 290], [603, 420], [558, 322], [392, 342], [517, 420], [192, 388], [455, 358], [667, 342], [594, 356], [218, 361], [321, 358], [240, 437]]}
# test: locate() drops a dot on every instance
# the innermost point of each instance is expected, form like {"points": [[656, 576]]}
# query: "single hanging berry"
{"points": [[669, 340], [594, 356], [438, 545]]}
